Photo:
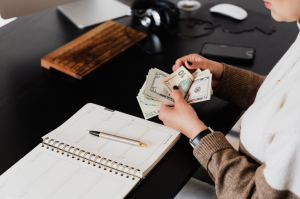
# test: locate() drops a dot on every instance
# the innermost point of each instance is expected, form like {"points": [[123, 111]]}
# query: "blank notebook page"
{"points": [[43, 173], [93, 117]]}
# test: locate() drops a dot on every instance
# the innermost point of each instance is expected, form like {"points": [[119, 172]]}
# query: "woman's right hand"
{"points": [[195, 61]]}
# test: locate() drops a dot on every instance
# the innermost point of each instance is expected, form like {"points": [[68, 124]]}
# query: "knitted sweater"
{"points": [[267, 164]]}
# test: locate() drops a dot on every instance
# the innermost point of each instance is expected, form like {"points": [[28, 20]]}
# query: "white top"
{"points": [[270, 128]]}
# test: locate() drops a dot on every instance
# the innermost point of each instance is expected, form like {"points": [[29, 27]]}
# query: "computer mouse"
{"points": [[230, 10]]}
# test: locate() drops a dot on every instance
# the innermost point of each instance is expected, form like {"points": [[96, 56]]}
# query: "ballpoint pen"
{"points": [[117, 138]]}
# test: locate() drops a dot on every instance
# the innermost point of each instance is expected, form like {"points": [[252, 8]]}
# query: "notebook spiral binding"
{"points": [[88, 156]]}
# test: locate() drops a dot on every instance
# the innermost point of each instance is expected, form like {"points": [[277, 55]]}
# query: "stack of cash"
{"points": [[158, 86]]}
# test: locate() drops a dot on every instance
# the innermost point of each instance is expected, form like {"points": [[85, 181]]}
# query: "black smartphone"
{"points": [[228, 53]]}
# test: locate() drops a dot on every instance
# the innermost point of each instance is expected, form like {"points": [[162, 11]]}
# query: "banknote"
{"points": [[196, 72], [205, 72], [200, 90], [154, 87], [181, 78], [147, 113], [150, 114], [151, 101], [147, 107], [147, 99], [153, 92]]}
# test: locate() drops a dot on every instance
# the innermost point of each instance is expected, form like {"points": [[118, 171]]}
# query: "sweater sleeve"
{"points": [[238, 86], [236, 177]]}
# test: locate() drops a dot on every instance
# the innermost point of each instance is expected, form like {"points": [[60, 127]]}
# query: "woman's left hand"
{"points": [[182, 117]]}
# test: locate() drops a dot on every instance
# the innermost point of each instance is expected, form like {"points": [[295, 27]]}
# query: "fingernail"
{"points": [[189, 63], [175, 88]]}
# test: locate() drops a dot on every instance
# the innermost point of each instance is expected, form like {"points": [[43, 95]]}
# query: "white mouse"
{"points": [[230, 10]]}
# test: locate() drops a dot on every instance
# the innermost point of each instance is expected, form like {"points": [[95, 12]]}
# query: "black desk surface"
{"points": [[34, 101]]}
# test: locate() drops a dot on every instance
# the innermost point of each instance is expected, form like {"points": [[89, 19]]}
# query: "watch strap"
{"points": [[201, 135]]}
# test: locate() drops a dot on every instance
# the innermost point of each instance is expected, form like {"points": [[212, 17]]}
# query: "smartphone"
{"points": [[228, 53]]}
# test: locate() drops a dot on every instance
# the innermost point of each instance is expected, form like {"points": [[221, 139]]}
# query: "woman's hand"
{"points": [[194, 61], [182, 117]]}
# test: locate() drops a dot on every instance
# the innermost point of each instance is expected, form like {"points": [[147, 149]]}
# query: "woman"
{"points": [[268, 162]]}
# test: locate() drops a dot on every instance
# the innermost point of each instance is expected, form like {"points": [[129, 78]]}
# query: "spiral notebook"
{"points": [[69, 163]]}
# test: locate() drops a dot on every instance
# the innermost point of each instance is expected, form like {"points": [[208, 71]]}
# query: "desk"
{"points": [[34, 101]]}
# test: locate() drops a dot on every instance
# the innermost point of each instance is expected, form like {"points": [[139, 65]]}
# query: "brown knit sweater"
{"points": [[237, 174]]}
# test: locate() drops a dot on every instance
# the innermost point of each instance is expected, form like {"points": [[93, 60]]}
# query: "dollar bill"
{"points": [[200, 89], [154, 87], [147, 99], [205, 72], [152, 102], [147, 113], [181, 78], [150, 114], [196, 72], [154, 92], [147, 107]]}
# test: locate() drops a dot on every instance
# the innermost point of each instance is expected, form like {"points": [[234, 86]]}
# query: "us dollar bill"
{"points": [[181, 78], [148, 113], [200, 90], [153, 92], [196, 72], [154, 87], [147, 99], [205, 72], [147, 107]]}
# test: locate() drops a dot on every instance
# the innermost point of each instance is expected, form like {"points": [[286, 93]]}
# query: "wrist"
{"points": [[216, 69], [197, 129]]}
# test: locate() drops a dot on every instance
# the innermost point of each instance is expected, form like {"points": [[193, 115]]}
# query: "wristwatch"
{"points": [[201, 135]]}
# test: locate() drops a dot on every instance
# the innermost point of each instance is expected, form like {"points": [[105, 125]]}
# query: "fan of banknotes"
{"points": [[158, 86]]}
